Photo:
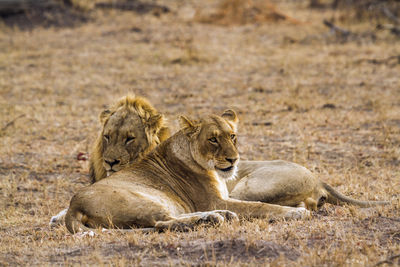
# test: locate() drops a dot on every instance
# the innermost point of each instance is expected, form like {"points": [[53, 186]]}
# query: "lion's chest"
{"points": [[220, 186]]}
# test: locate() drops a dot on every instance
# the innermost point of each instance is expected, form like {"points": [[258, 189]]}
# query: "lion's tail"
{"points": [[334, 197]]}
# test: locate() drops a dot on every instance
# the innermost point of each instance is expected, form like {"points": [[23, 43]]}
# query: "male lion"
{"points": [[131, 128], [178, 185]]}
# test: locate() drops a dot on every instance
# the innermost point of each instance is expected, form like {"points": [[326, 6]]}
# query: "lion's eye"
{"points": [[107, 137], [213, 140], [129, 139], [233, 136]]}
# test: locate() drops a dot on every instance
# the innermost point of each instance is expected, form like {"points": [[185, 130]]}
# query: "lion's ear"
{"points": [[155, 123], [231, 117], [184, 122], [104, 115], [187, 126]]}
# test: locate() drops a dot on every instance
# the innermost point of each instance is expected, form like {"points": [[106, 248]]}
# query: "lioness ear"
{"points": [[231, 117], [187, 126], [104, 115]]}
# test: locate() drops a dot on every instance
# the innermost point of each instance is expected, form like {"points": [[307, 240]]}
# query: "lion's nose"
{"points": [[112, 163], [232, 160]]}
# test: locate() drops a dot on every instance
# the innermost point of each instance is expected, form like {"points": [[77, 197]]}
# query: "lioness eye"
{"points": [[213, 140], [233, 136], [107, 137], [129, 139]]}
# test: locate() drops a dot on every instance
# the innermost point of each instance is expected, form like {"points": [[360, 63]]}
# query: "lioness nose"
{"points": [[231, 160], [112, 163]]}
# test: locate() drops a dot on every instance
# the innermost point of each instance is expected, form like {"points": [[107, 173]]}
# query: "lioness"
{"points": [[177, 185], [131, 128], [286, 183]]}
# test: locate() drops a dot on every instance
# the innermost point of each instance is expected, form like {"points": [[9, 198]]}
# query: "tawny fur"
{"points": [[151, 121], [286, 183], [174, 185]]}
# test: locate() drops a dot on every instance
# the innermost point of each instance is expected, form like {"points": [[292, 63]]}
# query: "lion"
{"points": [[286, 183], [131, 128], [178, 185]]}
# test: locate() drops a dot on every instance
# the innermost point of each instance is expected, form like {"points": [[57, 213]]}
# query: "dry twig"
{"points": [[390, 15], [336, 29], [388, 260], [392, 60], [10, 123]]}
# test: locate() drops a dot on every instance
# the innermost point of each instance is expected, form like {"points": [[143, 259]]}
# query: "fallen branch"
{"points": [[388, 260], [10, 123]]}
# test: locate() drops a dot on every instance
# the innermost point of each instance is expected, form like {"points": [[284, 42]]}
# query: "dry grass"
{"points": [[321, 104]]}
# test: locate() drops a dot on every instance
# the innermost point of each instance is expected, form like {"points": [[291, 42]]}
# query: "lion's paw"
{"points": [[228, 215], [297, 213], [211, 217]]}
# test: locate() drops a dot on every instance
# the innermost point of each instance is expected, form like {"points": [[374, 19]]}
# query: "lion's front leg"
{"points": [[188, 221], [262, 210]]}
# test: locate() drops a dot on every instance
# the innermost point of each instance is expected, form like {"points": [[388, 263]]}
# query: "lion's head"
{"points": [[213, 142], [131, 129]]}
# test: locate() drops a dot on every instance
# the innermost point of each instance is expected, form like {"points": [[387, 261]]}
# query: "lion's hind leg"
{"points": [[188, 221]]}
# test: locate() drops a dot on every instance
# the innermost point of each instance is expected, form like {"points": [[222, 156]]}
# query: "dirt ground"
{"points": [[302, 93]]}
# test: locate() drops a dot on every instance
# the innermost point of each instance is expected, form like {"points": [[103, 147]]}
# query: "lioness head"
{"points": [[213, 142], [131, 129]]}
